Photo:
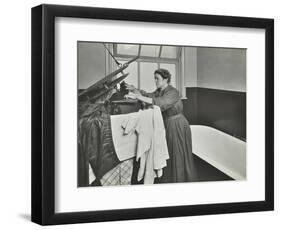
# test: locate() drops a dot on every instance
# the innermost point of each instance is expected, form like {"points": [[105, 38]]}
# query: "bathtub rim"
{"points": [[231, 173]]}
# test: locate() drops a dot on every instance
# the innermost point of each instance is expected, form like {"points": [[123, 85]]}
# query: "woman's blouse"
{"points": [[167, 99]]}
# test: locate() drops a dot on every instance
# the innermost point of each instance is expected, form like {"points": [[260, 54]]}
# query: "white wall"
{"points": [[215, 68], [220, 68], [190, 67], [15, 119], [91, 62]]}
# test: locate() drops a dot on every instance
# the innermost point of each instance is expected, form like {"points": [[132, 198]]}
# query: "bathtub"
{"points": [[223, 151]]}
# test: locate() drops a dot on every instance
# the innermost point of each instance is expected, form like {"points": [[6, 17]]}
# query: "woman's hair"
{"points": [[165, 74]]}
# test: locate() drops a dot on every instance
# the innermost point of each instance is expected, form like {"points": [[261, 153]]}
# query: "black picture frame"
{"points": [[43, 114]]}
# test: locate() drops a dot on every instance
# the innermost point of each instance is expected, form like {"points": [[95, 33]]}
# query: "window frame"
{"points": [[158, 60]]}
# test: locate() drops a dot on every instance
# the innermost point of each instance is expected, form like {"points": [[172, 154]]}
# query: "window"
{"points": [[149, 51], [127, 49], [147, 76], [132, 69], [169, 52], [151, 57]]}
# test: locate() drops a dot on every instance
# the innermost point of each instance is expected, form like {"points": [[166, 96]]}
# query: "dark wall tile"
{"points": [[190, 105], [221, 109]]}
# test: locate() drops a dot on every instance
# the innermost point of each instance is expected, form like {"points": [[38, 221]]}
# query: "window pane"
{"points": [[147, 82], [169, 52], [172, 69], [150, 50], [132, 69], [128, 49]]}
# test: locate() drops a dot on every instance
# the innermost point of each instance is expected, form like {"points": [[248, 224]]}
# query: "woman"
{"points": [[180, 166]]}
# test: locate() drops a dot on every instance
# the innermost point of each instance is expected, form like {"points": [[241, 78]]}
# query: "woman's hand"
{"points": [[139, 97], [132, 88], [132, 95]]}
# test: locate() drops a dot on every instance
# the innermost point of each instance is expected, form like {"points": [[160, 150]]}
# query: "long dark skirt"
{"points": [[180, 166]]}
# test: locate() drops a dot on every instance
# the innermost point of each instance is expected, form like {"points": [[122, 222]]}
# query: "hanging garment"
{"points": [[152, 147], [142, 135]]}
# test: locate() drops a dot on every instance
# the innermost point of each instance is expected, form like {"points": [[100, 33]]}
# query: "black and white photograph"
{"points": [[135, 115], [140, 114], [157, 114]]}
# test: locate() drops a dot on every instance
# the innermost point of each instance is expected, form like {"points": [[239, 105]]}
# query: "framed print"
{"points": [[145, 114]]}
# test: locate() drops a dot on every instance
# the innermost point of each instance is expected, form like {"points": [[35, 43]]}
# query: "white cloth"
{"points": [[145, 146], [161, 154], [152, 146], [123, 141]]}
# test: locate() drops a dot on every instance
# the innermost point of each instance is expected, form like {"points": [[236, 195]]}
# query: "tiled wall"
{"points": [[220, 109]]}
